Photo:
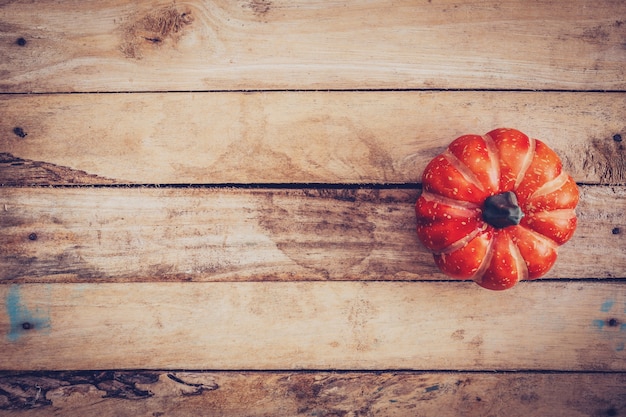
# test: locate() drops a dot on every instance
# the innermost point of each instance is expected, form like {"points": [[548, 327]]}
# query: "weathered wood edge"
{"points": [[182, 393]]}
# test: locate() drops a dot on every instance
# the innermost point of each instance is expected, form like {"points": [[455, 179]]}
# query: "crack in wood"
{"points": [[31, 390], [25, 391], [196, 388]]}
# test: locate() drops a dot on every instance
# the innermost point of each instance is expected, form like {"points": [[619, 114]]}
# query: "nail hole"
{"points": [[617, 137], [611, 412], [613, 322], [19, 132], [21, 41], [32, 236], [616, 231], [27, 326]]}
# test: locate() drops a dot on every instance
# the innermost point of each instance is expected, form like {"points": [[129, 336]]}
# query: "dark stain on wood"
{"points": [[260, 7], [24, 260], [596, 34], [608, 159], [529, 397], [19, 132], [350, 232], [15, 171], [67, 265], [603, 33], [458, 334], [323, 395], [249, 161], [613, 322], [157, 27]]}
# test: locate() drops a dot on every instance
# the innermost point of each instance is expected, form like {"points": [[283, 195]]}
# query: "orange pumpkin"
{"points": [[495, 208]]}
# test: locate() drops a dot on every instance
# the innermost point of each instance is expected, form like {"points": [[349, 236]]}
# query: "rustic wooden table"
{"points": [[206, 208]]}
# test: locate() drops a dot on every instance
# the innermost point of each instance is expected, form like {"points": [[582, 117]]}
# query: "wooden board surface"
{"points": [[320, 106], [301, 44], [313, 325], [221, 234], [270, 394], [283, 137]]}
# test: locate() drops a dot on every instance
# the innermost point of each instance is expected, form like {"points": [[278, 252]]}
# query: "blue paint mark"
{"points": [[607, 306], [619, 347], [599, 324], [21, 319], [622, 328], [433, 388]]}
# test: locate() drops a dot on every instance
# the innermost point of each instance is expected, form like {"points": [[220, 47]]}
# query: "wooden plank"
{"points": [[313, 325], [205, 234], [288, 44], [269, 394], [290, 137]]}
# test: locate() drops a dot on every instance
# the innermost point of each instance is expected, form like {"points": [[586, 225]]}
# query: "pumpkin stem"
{"points": [[502, 210]]}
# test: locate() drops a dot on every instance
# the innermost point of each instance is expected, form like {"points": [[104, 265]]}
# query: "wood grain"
{"points": [[313, 325], [304, 299], [269, 394], [208, 234], [289, 137], [285, 44]]}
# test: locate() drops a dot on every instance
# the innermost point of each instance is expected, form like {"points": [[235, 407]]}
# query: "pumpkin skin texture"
{"points": [[495, 208]]}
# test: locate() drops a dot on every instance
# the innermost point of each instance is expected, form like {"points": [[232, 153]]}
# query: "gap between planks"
{"points": [[324, 90]]}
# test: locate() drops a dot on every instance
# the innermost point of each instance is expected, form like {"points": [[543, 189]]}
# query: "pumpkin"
{"points": [[495, 208]]}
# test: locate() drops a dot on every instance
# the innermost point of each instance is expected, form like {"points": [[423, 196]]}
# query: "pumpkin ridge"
{"points": [[462, 242], [528, 159], [551, 186], [480, 272], [538, 250], [463, 169], [494, 158], [540, 235], [520, 262], [536, 220]]}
